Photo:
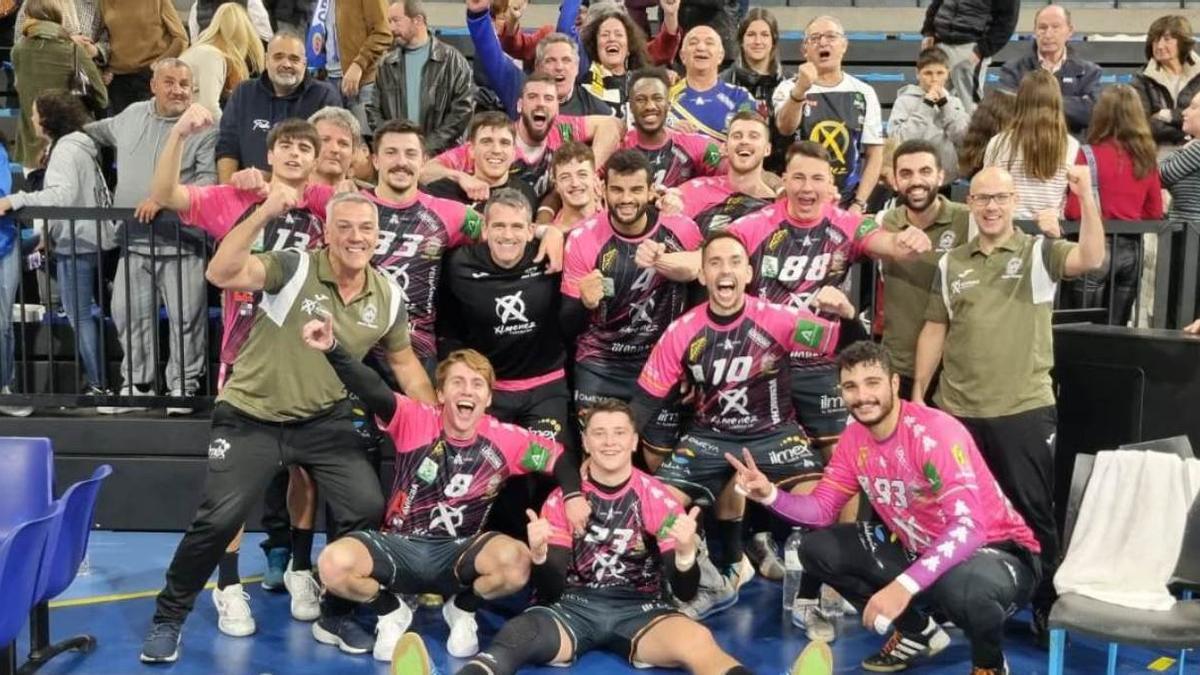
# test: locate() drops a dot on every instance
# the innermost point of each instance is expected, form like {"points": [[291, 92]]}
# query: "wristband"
{"points": [[572, 495]]}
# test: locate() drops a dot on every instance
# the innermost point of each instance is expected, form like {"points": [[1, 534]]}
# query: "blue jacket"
{"points": [[8, 226], [254, 109], [1078, 80]]}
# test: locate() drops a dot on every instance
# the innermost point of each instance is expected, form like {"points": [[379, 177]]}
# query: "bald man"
{"points": [[701, 102], [990, 327], [1078, 79]]}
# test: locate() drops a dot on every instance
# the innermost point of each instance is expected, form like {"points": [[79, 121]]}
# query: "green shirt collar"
{"points": [[1013, 243], [326, 276]]}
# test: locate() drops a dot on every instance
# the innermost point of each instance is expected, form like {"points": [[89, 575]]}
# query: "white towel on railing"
{"points": [[1129, 533]]}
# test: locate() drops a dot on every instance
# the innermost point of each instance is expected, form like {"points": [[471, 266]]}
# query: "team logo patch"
{"points": [[472, 224], [218, 448], [536, 458], [427, 471], [776, 239], [608, 259], [809, 333], [960, 456], [696, 348], [934, 478], [946, 241], [866, 227], [1013, 268], [712, 155]]}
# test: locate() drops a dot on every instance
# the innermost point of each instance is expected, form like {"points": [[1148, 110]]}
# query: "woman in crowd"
{"points": [[72, 178], [226, 53], [81, 19], [204, 12], [758, 70], [1036, 149], [991, 116], [47, 58], [616, 46], [1121, 155], [1181, 171], [1170, 80]]}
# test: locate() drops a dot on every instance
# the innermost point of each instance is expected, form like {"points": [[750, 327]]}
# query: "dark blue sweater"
{"points": [[254, 109]]}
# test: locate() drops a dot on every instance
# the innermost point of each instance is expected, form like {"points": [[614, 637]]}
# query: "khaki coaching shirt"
{"points": [[999, 344]]}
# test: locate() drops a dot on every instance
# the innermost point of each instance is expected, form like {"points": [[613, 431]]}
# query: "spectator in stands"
{"points": [[340, 137], [423, 80], [928, 111], [757, 70], [204, 12], [831, 107], [721, 16], [522, 45], [1121, 156], [226, 54], [616, 46], [492, 144], [284, 91], [1170, 80], [991, 116], [557, 56], [81, 19], [356, 36], [1079, 80], [141, 32], [1181, 171], [10, 283], [46, 58], [970, 32], [290, 15], [701, 102], [1036, 150], [72, 178]]}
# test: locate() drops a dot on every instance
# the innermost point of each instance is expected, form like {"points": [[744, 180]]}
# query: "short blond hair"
{"points": [[469, 358]]}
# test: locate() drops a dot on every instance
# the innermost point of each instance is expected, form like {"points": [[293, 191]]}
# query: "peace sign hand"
{"points": [[750, 481]]}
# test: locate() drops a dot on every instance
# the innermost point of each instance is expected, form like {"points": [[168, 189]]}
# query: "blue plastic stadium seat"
{"points": [[20, 559]]}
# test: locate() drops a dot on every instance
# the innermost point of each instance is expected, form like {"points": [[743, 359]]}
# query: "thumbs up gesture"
{"points": [[683, 531], [538, 530]]}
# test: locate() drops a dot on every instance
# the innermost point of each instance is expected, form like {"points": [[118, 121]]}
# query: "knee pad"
{"points": [[531, 638]]}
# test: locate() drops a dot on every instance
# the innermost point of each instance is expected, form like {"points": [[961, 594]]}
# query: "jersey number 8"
{"points": [[795, 266]]}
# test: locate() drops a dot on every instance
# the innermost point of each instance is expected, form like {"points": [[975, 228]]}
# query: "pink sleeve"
{"points": [[821, 508], [406, 424], [316, 198], [860, 229], [579, 130], [665, 366], [753, 228], [705, 154], [463, 224], [216, 208], [687, 230], [555, 511], [576, 262], [957, 493], [455, 159], [659, 511], [797, 328], [524, 452]]}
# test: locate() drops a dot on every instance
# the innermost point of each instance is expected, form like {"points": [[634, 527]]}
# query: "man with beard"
{"points": [[622, 287], [702, 102], [731, 353], [674, 156], [416, 230], [716, 202], [825, 104], [340, 135], [283, 92], [1000, 284], [450, 463], [948, 532], [918, 175], [160, 264], [540, 131], [491, 143], [576, 185]]}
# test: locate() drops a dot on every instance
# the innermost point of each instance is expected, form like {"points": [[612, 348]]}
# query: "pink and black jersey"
{"points": [[413, 237], [929, 485], [531, 165], [627, 534], [444, 487], [737, 367], [679, 158], [714, 203], [217, 209], [630, 319]]}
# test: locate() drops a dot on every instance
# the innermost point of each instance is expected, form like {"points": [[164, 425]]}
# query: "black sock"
{"points": [[810, 587], [738, 670], [302, 541], [227, 570], [467, 601], [730, 533], [911, 622], [384, 603]]}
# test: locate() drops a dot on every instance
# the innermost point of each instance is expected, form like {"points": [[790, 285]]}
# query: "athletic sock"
{"points": [[302, 541], [227, 570], [810, 587], [912, 622], [730, 533], [738, 670], [467, 601], [384, 602]]}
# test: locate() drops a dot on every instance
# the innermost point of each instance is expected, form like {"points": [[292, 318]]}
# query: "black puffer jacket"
{"points": [[1156, 95]]}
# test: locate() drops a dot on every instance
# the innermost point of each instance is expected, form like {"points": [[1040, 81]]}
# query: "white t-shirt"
{"points": [[1033, 194]]}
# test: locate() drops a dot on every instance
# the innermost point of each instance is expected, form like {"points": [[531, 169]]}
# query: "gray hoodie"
{"points": [[73, 178], [944, 126]]}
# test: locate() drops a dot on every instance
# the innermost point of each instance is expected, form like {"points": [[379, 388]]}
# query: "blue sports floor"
{"points": [[114, 601]]}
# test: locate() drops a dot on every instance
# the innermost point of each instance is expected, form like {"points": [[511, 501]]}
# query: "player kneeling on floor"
{"points": [[950, 539], [450, 464], [607, 589]]}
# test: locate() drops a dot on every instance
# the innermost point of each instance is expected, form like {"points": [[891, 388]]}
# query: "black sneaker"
{"points": [[343, 632], [901, 650], [162, 643]]}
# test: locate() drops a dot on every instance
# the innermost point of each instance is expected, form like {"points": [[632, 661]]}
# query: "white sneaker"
{"points": [[762, 548], [180, 410], [463, 642], [15, 410], [742, 573], [233, 611], [806, 614], [390, 629], [126, 390], [305, 592]]}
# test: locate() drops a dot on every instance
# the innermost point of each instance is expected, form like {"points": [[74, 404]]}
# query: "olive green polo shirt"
{"points": [[906, 283], [276, 377], [999, 344]]}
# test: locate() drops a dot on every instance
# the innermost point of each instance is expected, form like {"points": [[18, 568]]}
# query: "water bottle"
{"points": [[792, 571]]}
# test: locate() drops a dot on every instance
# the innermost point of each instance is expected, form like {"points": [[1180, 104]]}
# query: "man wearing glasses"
{"points": [[828, 106], [989, 323]]}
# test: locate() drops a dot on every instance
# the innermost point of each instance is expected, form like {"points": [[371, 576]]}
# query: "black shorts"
{"points": [[818, 399], [413, 565], [596, 620], [595, 380], [698, 465], [541, 409]]}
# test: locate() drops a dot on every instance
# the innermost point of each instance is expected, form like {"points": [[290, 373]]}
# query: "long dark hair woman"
{"points": [[758, 70]]}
